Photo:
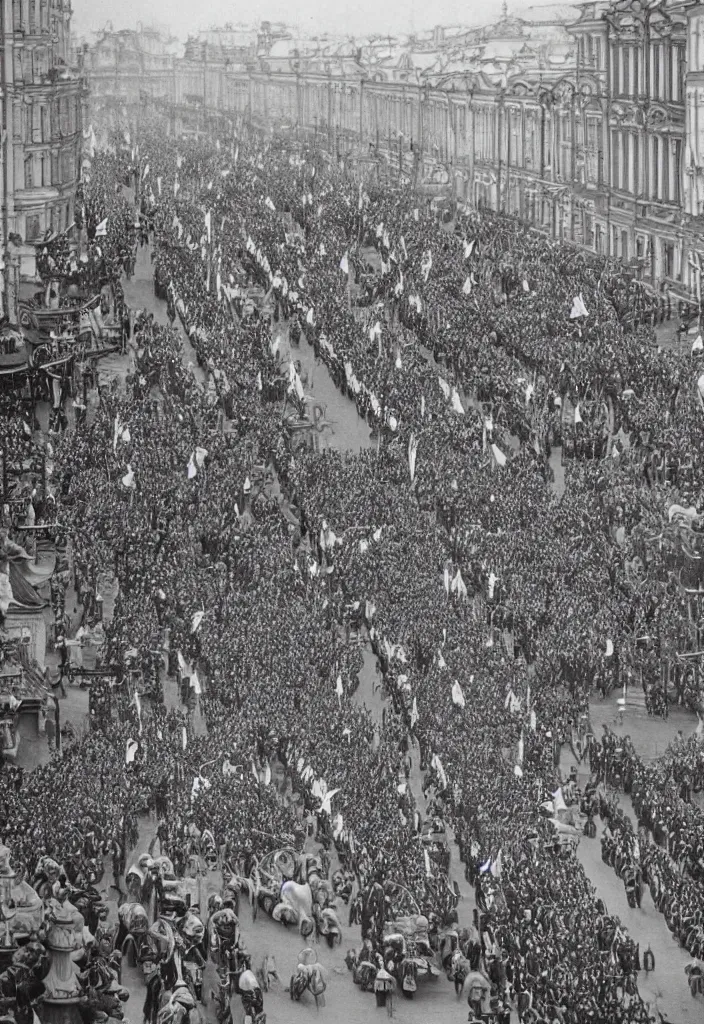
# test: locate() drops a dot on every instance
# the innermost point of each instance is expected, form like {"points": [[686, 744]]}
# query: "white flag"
{"points": [[268, 202], [184, 737], [468, 247], [412, 451], [559, 801], [444, 386], [457, 695], [436, 763], [577, 415], [498, 455], [158, 184], [578, 307], [344, 265], [131, 751], [414, 713], [456, 403], [207, 226], [191, 468], [467, 286], [196, 621], [496, 866], [102, 229], [458, 586]]}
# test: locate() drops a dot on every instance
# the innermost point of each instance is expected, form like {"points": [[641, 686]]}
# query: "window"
{"points": [[28, 172], [599, 239], [624, 245], [592, 149], [33, 226], [66, 166], [654, 71], [668, 259], [589, 230], [614, 240], [17, 119], [36, 123]]}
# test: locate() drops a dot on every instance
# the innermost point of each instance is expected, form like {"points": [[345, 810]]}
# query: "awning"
{"points": [[23, 593]]}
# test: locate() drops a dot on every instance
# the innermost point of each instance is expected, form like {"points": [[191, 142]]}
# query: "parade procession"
{"points": [[350, 607]]}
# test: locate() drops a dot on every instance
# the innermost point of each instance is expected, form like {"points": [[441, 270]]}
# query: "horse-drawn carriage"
{"points": [[293, 888], [407, 947], [58, 328], [434, 841]]}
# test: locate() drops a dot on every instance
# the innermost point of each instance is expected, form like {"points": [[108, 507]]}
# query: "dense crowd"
{"points": [[253, 561]]}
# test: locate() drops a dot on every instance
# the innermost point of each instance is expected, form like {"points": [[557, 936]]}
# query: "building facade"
{"points": [[43, 101], [586, 121], [127, 68]]}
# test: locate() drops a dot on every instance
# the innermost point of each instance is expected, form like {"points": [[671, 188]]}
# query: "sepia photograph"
{"points": [[352, 540]]}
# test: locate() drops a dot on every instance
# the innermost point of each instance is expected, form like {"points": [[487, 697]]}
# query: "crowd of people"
{"points": [[493, 604]]}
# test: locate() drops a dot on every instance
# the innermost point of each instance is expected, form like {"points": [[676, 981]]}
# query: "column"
{"points": [[661, 167]]}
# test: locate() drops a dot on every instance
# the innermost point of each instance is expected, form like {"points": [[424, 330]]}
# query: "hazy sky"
{"points": [[311, 16]]}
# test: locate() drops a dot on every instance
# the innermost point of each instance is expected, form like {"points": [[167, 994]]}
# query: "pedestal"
{"points": [[61, 983], [6, 954], [64, 1011]]}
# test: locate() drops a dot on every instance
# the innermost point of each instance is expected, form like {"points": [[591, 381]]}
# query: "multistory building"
{"points": [[585, 120], [43, 101], [128, 68]]}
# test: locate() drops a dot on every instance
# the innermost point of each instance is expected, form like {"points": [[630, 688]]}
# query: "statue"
{"points": [[64, 939], [29, 909]]}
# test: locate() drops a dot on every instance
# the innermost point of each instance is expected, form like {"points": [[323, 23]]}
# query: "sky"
{"points": [[309, 16]]}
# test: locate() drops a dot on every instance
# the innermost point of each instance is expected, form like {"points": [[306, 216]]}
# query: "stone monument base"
{"points": [[64, 1011]]}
